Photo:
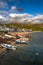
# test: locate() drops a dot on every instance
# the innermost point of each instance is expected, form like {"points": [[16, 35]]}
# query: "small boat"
{"points": [[9, 36], [21, 41], [8, 46], [19, 36]]}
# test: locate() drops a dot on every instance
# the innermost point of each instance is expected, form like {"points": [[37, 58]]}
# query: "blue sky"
{"points": [[29, 6], [21, 10]]}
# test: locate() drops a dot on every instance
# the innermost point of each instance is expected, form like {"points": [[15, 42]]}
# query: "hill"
{"points": [[37, 27]]}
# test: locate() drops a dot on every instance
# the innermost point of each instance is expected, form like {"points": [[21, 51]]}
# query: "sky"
{"points": [[31, 7], [28, 6]]}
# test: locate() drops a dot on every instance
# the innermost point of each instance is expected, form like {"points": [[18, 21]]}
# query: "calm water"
{"points": [[31, 54]]}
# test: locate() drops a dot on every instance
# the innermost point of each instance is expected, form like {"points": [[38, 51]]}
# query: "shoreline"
{"points": [[12, 42]]}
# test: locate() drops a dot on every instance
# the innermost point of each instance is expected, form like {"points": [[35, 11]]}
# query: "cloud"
{"points": [[1, 17], [4, 19], [4, 13], [3, 4], [37, 19], [13, 9], [20, 17], [24, 17], [20, 9]]}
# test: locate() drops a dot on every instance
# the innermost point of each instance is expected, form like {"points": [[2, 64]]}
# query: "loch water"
{"points": [[31, 54]]}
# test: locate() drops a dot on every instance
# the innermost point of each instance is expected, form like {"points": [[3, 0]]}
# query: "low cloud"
{"points": [[1, 17], [37, 19], [25, 18], [20, 15]]}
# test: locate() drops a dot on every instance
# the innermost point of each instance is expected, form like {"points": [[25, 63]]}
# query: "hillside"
{"points": [[34, 27], [38, 27]]}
